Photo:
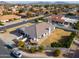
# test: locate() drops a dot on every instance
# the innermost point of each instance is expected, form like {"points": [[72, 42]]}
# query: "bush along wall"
{"points": [[65, 43]]}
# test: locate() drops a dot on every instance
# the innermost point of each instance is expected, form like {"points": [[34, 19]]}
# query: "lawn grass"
{"points": [[1, 23]]}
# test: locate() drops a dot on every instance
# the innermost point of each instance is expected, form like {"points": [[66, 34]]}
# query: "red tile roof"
{"points": [[57, 18], [8, 17]]}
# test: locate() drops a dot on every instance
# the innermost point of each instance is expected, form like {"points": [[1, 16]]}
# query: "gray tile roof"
{"points": [[36, 29]]}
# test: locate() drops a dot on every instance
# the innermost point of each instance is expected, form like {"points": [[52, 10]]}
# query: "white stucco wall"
{"points": [[69, 20], [4, 20]]}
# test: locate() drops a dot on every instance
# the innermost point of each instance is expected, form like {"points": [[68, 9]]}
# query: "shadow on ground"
{"points": [[49, 53], [15, 33], [72, 54]]}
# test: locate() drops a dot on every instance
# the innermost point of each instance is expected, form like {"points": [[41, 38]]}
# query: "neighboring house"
{"points": [[23, 15], [71, 19], [26, 14], [1, 10], [56, 19], [37, 31], [7, 18], [63, 19]]}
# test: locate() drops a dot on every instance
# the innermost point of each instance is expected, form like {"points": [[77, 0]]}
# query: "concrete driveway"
{"points": [[7, 37]]}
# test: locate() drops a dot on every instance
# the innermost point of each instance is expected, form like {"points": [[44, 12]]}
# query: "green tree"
{"points": [[16, 18], [65, 42], [70, 14], [77, 25], [42, 19], [56, 44], [36, 20], [1, 23], [21, 10], [57, 52]]}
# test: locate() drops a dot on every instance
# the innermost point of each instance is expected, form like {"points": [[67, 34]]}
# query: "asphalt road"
{"points": [[17, 24], [4, 52], [13, 25]]}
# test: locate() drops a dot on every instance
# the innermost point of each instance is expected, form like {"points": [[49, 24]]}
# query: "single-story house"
{"points": [[23, 15], [37, 31], [63, 19], [56, 19], [7, 18], [71, 18]]}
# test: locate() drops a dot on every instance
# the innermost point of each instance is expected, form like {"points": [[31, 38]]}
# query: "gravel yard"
{"points": [[56, 35]]}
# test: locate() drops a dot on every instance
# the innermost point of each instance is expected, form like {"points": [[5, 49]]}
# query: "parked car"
{"points": [[3, 31], [11, 46], [76, 41], [16, 53]]}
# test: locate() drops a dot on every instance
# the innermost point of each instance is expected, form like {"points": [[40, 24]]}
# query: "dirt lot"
{"points": [[54, 36]]}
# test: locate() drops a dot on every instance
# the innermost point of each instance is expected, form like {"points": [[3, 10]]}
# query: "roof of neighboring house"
{"points": [[71, 19], [22, 14], [72, 16], [36, 29], [7, 17], [57, 18]]}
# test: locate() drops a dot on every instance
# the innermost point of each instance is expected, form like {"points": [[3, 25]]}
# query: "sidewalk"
{"points": [[34, 55]]}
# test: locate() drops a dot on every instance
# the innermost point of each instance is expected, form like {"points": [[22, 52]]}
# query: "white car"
{"points": [[76, 41], [16, 53], [11, 46]]}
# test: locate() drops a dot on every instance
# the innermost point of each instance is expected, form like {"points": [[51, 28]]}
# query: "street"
{"points": [[19, 23], [4, 52]]}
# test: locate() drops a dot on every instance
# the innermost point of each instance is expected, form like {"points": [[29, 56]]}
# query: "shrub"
{"points": [[55, 44], [64, 42], [21, 10], [11, 19], [36, 20], [56, 52], [1, 23], [32, 50], [21, 44], [77, 25], [41, 48], [16, 19]]}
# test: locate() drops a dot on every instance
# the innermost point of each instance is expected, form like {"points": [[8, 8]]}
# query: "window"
{"points": [[45, 33], [66, 23], [42, 35], [39, 37], [47, 28]]}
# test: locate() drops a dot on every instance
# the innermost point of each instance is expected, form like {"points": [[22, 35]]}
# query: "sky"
{"points": [[39, 0]]}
